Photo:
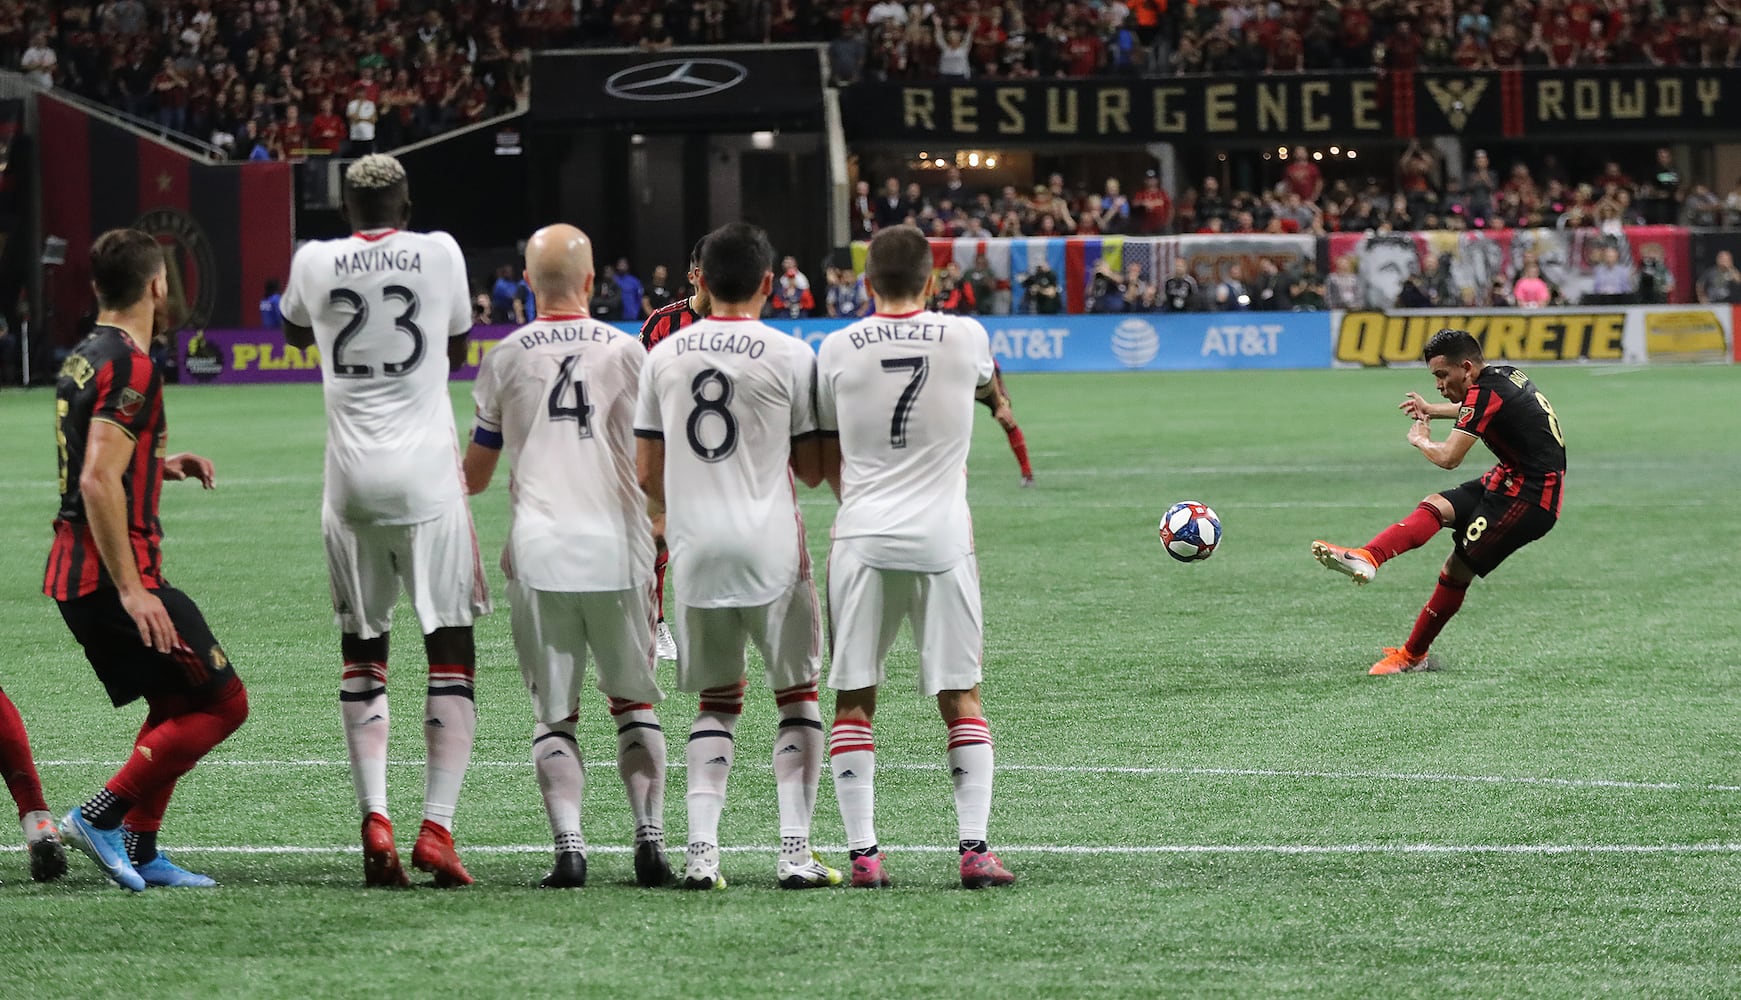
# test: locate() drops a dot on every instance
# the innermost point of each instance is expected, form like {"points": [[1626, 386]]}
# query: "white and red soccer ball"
{"points": [[1190, 531]]}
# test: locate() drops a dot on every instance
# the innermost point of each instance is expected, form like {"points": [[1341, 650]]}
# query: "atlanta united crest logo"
{"points": [[193, 267]]}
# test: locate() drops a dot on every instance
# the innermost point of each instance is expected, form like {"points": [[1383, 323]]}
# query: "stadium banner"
{"points": [[1468, 264], [1484, 104], [226, 227], [1148, 341], [1614, 334], [1689, 333], [723, 85]]}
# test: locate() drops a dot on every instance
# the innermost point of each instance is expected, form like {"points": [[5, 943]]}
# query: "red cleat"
{"points": [[380, 857], [434, 853]]}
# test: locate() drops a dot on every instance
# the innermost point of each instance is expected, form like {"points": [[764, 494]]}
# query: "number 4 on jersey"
{"points": [[581, 411]]}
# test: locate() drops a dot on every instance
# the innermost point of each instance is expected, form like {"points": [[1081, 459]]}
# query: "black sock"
{"points": [[864, 852], [975, 845], [141, 845], [105, 810]]}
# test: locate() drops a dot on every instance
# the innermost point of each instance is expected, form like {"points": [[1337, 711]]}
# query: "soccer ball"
{"points": [[1190, 531]]}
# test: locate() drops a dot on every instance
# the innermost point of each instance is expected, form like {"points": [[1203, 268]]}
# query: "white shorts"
{"points": [[787, 632], [553, 631], [436, 561], [866, 606]]}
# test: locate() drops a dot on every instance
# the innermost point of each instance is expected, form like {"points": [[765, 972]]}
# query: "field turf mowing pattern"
{"points": [[1282, 824]]}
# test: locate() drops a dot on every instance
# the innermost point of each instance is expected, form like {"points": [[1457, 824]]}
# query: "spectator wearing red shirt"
{"points": [[1303, 176], [1402, 50], [328, 130], [1082, 53], [1356, 35], [1563, 47], [1470, 53], [1151, 209], [169, 89], [293, 133], [1289, 54]]}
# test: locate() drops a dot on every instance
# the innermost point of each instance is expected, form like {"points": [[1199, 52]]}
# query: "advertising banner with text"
{"points": [[1628, 334], [1152, 342]]}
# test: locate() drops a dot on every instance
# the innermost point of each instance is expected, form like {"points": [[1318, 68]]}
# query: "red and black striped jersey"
{"points": [[1506, 411], [107, 378], [666, 320]]}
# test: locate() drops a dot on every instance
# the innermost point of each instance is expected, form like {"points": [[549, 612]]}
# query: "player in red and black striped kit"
{"points": [[144, 638], [663, 322], [999, 405], [1515, 503]]}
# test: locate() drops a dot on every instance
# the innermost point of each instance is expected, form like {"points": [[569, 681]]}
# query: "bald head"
{"points": [[559, 267]]}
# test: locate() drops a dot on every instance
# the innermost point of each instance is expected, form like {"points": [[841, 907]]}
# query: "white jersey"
{"points": [[899, 390], [383, 305], [728, 397], [559, 396]]}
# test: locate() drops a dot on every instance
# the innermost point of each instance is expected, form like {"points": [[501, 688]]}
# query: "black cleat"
{"points": [[652, 871], [569, 873]]}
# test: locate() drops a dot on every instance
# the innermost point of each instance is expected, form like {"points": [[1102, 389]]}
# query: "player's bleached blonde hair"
{"points": [[375, 172]]}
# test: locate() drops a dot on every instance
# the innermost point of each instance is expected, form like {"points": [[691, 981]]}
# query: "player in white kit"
{"points": [[894, 401], [726, 415], [558, 395], [382, 304]]}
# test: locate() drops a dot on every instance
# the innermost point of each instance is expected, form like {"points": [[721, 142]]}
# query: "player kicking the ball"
{"points": [[382, 304], [1515, 503], [895, 396], [144, 638], [559, 395], [725, 415]]}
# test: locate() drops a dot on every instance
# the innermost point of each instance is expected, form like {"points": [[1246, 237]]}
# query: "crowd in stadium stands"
{"points": [[387, 71], [273, 79], [1484, 197]]}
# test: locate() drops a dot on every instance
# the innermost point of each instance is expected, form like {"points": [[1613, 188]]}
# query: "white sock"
{"points": [[710, 756], [450, 721], [363, 704], [641, 764], [797, 767], [970, 767], [561, 780], [853, 758]]}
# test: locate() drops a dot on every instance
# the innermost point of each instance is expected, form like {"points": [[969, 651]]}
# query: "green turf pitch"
{"points": [[1200, 788]]}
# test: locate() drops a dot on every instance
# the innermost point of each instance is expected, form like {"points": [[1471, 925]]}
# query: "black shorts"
{"points": [[1491, 526], [196, 668]]}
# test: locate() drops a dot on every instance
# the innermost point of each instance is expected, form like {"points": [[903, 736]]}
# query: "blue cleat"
{"points": [[102, 846], [166, 874]]}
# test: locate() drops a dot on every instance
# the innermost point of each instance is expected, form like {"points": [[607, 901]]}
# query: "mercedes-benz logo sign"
{"points": [[675, 79]]}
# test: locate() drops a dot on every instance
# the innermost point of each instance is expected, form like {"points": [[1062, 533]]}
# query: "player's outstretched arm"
{"points": [[187, 465], [1417, 408], [1446, 454]]}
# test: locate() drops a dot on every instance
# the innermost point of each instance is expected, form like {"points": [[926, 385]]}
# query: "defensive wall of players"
{"points": [[1171, 341]]}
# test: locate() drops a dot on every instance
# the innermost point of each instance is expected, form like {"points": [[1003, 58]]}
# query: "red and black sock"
{"points": [[1447, 598], [1411, 532], [17, 766]]}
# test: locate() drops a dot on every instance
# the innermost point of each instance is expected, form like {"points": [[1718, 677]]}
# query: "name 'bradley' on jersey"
{"points": [[377, 259], [594, 334]]}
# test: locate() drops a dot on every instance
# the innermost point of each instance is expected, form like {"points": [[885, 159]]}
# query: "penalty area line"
{"points": [[1068, 849]]}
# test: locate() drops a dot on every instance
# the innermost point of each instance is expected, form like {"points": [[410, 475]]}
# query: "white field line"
{"points": [[1407, 777], [1015, 849]]}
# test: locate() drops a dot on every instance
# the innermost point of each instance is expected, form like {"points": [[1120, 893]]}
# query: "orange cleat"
{"points": [[380, 857], [1355, 563], [1398, 661], [434, 853]]}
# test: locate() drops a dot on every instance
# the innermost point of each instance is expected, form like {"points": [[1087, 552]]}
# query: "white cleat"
{"points": [[663, 642], [1348, 562], [701, 868], [810, 873]]}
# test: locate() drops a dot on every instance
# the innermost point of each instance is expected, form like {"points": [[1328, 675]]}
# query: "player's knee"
{"points": [[231, 707], [955, 705], [855, 706], [357, 649], [451, 645], [1442, 507]]}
